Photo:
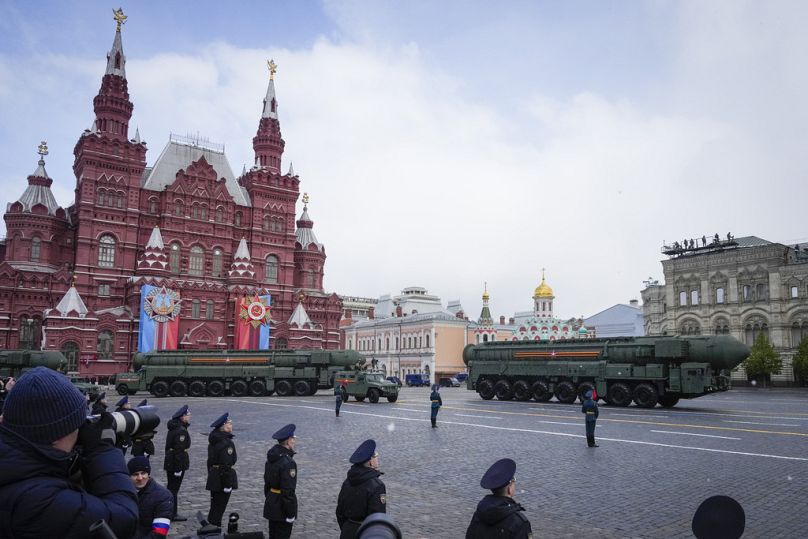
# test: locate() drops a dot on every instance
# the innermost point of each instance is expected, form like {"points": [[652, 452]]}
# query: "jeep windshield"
{"points": [[375, 378]]}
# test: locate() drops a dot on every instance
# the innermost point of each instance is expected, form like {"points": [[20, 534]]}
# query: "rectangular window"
{"points": [[719, 295], [103, 290], [694, 297], [747, 292], [795, 292], [761, 292], [209, 310]]}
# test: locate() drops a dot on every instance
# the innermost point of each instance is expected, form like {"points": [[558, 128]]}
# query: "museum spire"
{"points": [[113, 110], [268, 143]]}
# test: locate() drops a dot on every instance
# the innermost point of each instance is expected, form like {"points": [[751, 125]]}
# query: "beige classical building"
{"points": [[410, 333], [737, 286]]}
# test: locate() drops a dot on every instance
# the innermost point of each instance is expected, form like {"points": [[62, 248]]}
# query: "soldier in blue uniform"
{"points": [[437, 402], [590, 409], [362, 492], [719, 517], [123, 441], [176, 461], [143, 444], [280, 482], [100, 403], [340, 395], [498, 515], [222, 477]]}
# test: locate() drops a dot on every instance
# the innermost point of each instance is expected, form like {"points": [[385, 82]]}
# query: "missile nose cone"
{"points": [[733, 351]]}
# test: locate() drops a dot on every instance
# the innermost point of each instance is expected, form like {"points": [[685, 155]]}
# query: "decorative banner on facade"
{"points": [[159, 318], [252, 323]]}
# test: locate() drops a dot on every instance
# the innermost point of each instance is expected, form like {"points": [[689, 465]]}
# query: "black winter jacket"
{"points": [[362, 494], [177, 444], [45, 492], [280, 474], [221, 459], [499, 516], [154, 501]]}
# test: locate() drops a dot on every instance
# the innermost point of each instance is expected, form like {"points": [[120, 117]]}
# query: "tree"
{"points": [[800, 361], [763, 361]]}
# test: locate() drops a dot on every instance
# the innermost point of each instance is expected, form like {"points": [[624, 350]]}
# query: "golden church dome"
{"points": [[543, 290]]}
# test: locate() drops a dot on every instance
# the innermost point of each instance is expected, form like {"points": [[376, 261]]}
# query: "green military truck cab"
{"points": [[84, 385], [128, 383], [370, 385]]}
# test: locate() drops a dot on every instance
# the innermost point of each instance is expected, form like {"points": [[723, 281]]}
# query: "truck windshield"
{"points": [[375, 378]]}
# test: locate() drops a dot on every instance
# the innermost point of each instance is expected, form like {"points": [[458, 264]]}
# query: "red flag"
{"points": [[594, 394]]}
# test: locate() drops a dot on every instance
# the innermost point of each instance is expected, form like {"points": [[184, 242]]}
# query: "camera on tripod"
{"points": [[140, 421]]}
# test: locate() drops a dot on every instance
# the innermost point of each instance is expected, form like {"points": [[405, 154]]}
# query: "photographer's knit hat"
{"points": [[139, 464], [44, 406]]}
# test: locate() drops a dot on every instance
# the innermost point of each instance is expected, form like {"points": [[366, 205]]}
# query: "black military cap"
{"points": [[364, 452], [499, 474], [179, 413], [144, 402], [221, 421], [285, 432], [719, 517], [101, 397], [124, 400]]}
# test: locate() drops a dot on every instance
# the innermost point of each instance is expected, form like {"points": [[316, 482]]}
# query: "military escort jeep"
{"points": [[84, 385], [367, 384]]}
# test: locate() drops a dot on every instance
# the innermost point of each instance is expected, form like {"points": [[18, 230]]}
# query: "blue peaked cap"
{"points": [[221, 421], [179, 413], [363, 452], [284, 432], [123, 401], [499, 474], [144, 402]]}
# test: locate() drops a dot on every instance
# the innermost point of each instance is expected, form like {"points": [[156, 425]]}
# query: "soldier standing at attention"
{"points": [[176, 458], [122, 440], [142, 444], [100, 404], [222, 478], [437, 402], [362, 493], [590, 408], [498, 515], [340, 395], [280, 481]]}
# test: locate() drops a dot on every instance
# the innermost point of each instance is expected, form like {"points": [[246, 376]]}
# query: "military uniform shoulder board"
{"points": [[292, 472], [229, 450], [383, 498]]}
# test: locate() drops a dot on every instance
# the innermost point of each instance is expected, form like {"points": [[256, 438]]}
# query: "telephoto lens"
{"points": [[136, 421], [378, 526]]}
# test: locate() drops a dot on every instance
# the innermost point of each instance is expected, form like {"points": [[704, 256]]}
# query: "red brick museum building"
{"points": [[70, 278]]}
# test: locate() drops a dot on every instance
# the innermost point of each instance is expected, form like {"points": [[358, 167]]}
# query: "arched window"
{"points": [[106, 251], [36, 243], [174, 258], [310, 279], [279, 225], [209, 309], [119, 200], [272, 269], [722, 326], [219, 214], [196, 262], [203, 212], [195, 211], [799, 330], [266, 223], [71, 351], [682, 298], [237, 219], [179, 208], [195, 308], [691, 328], [427, 340], [152, 205], [101, 198], [216, 271], [753, 328], [30, 333], [280, 343], [105, 345]]}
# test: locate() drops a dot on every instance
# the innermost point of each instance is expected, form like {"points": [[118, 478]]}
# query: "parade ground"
{"points": [[647, 478]]}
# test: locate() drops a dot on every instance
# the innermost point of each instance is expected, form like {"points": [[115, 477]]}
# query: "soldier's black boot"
{"points": [[179, 518], [434, 423], [590, 441]]}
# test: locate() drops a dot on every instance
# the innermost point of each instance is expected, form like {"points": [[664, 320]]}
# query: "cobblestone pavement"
{"points": [[652, 469]]}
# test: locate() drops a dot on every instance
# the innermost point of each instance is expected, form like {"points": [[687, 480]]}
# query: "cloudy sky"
{"points": [[448, 144]]}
